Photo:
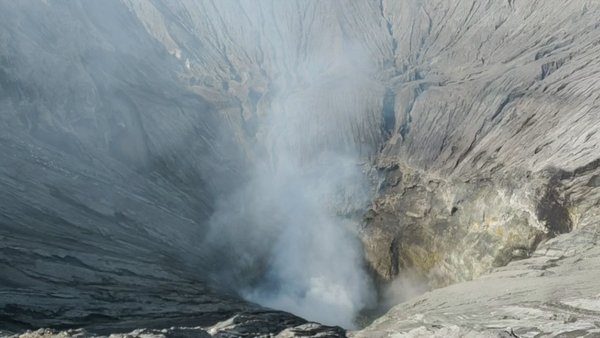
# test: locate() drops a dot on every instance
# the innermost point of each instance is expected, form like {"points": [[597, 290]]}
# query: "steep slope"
{"points": [[121, 161], [161, 157], [495, 151], [495, 136], [110, 170], [97, 211]]}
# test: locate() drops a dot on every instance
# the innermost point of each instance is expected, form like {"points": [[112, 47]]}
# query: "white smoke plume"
{"points": [[287, 239], [315, 268]]}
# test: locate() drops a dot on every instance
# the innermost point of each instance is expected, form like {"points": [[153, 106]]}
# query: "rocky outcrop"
{"points": [[554, 293], [442, 230]]}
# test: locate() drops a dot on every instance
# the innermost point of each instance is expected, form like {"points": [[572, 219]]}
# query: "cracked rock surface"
{"points": [[123, 121]]}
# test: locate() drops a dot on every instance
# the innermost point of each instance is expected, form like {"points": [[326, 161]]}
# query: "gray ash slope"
{"points": [[122, 123]]}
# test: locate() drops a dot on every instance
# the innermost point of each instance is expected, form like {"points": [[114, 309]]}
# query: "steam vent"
{"points": [[299, 168]]}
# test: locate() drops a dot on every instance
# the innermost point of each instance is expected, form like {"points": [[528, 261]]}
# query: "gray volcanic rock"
{"points": [[495, 151], [97, 212], [552, 294], [114, 155], [127, 125], [109, 172], [249, 324], [495, 142]]}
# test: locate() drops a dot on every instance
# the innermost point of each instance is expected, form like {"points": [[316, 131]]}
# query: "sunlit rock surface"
{"points": [[124, 122]]}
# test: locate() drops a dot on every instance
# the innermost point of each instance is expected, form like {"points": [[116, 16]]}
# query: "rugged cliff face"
{"points": [[480, 142], [182, 160]]}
